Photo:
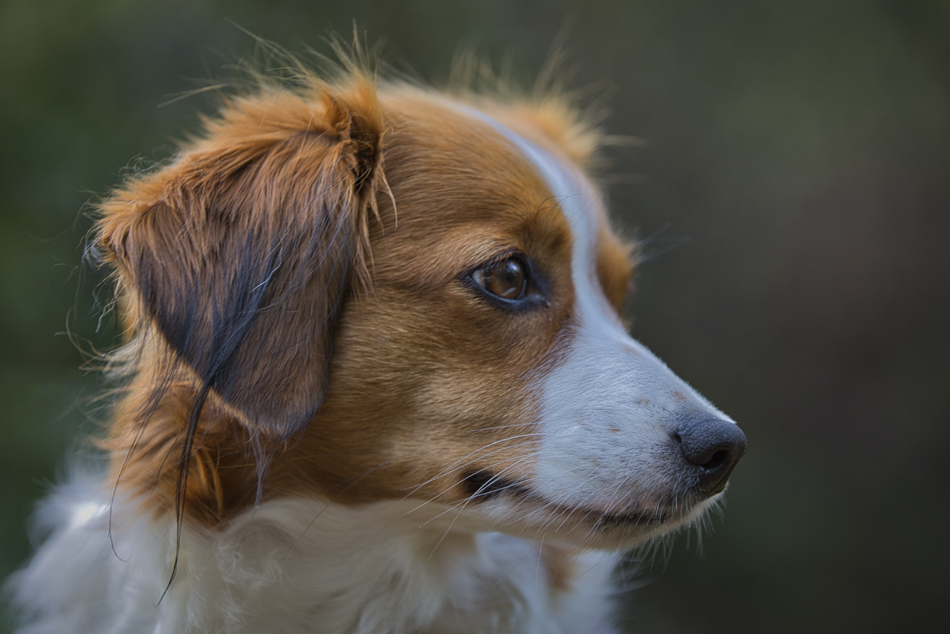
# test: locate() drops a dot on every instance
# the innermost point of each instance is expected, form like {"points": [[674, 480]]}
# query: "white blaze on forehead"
{"points": [[610, 408]]}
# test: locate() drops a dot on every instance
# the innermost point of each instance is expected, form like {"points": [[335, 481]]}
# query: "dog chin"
{"points": [[524, 514]]}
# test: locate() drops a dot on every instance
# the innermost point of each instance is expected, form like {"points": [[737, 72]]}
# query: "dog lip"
{"points": [[638, 518], [483, 485]]}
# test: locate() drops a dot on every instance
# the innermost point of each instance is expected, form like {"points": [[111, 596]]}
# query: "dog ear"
{"points": [[242, 250]]}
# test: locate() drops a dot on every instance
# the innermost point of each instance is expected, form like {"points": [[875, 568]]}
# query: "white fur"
{"points": [[292, 566], [609, 381]]}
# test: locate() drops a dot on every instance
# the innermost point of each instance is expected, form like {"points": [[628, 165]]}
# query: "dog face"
{"points": [[385, 294]]}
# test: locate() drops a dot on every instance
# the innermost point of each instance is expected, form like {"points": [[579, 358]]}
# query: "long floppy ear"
{"points": [[242, 250]]}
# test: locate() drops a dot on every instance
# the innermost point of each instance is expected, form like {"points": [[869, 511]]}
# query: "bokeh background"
{"points": [[792, 189]]}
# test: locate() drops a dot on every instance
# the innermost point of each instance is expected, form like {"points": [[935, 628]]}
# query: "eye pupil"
{"points": [[506, 279]]}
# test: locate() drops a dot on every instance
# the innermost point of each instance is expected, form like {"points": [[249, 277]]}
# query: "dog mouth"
{"points": [[482, 485]]}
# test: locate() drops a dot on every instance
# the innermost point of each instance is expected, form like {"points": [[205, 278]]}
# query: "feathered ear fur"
{"points": [[241, 251]]}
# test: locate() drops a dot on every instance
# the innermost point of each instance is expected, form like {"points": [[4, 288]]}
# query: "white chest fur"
{"points": [[294, 566]]}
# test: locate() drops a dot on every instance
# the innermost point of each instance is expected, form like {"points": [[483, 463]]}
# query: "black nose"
{"points": [[714, 446]]}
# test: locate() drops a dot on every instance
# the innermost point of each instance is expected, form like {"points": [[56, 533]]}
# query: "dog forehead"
{"points": [[451, 166], [578, 200], [457, 154]]}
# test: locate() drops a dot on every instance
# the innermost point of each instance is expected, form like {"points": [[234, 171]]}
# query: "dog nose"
{"points": [[714, 446]]}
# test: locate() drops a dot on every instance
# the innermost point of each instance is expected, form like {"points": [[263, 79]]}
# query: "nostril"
{"points": [[714, 446], [718, 460]]}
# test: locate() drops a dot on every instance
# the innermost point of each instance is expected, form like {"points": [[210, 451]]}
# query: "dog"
{"points": [[375, 379]]}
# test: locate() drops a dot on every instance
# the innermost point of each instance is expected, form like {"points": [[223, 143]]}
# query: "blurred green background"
{"points": [[794, 188]]}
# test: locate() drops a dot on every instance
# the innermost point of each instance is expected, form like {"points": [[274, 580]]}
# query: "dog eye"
{"points": [[506, 279]]}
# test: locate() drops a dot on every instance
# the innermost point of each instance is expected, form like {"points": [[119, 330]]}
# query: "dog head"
{"points": [[387, 293]]}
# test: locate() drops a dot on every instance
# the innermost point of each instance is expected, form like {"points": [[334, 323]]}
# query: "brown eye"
{"points": [[506, 279]]}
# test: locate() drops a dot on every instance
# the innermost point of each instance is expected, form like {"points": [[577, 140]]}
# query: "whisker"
{"points": [[435, 497], [465, 505], [454, 466], [458, 467], [471, 431]]}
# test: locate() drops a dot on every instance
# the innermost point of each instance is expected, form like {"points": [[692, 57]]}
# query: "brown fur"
{"points": [[370, 368], [559, 561]]}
